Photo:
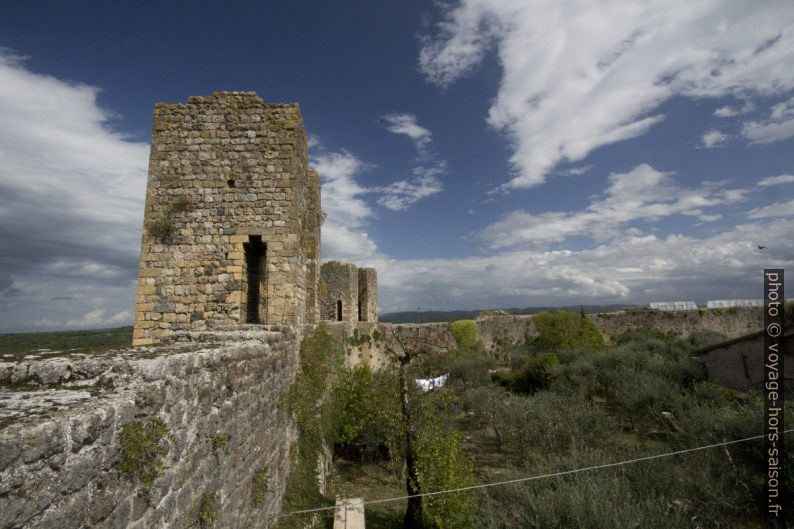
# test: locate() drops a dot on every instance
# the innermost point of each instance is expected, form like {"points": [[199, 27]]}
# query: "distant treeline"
{"points": [[61, 340], [429, 316]]}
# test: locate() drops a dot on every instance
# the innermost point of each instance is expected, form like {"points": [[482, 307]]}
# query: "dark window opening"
{"points": [[359, 312], [255, 254], [339, 310], [230, 182]]}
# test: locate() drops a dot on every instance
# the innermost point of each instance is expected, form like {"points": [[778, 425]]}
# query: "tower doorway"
{"points": [[255, 259]]}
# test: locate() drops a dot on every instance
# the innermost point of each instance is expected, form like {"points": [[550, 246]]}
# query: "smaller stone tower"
{"points": [[347, 293], [339, 301]]}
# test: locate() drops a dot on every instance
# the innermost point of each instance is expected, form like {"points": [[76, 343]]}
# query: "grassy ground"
{"points": [[90, 340]]}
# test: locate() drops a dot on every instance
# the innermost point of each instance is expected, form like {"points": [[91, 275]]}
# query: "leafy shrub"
{"points": [[472, 367], [441, 465], [566, 329], [366, 412], [639, 334], [207, 510], [533, 376], [490, 407], [713, 393], [705, 338], [259, 487], [143, 450], [465, 333]]}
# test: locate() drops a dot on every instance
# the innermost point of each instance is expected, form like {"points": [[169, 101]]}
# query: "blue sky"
{"points": [[479, 153]]}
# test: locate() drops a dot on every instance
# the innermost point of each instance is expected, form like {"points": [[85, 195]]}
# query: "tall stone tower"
{"points": [[232, 220]]}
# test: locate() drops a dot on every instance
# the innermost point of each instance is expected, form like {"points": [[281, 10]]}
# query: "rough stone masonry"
{"points": [[232, 220]]}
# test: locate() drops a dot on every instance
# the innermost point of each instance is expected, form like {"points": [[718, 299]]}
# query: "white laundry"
{"points": [[427, 384]]}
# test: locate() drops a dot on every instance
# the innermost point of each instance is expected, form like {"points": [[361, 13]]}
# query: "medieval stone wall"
{"points": [[367, 294], [224, 169], [62, 418]]}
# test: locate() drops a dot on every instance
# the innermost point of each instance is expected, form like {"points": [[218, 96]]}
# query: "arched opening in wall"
{"points": [[339, 310], [255, 264]]}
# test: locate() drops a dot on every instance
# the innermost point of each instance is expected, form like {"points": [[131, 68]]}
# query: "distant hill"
{"points": [[60, 340], [428, 316]]}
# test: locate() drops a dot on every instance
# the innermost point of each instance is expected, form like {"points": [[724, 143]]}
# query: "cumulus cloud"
{"points": [[730, 112], [713, 138], [627, 269], [429, 167], [777, 180], [343, 235], [643, 193], [779, 126], [408, 125], [778, 209], [71, 194], [97, 318], [579, 75]]}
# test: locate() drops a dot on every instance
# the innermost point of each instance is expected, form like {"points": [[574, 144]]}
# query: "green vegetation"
{"points": [[207, 510], [533, 375], [58, 341], [259, 487], [143, 450], [569, 401], [221, 442], [566, 330], [442, 465], [718, 311], [465, 333], [313, 412]]}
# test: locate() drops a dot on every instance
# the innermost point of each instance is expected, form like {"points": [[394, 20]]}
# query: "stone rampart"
{"points": [[370, 343], [63, 415]]}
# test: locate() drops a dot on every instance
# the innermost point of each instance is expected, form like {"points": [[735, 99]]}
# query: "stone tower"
{"points": [[232, 219], [348, 293]]}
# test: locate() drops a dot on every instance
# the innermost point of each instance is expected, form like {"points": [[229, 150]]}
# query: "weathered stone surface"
{"points": [[224, 169], [59, 444], [339, 299]]}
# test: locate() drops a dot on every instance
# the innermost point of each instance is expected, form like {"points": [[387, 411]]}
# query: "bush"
{"points": [[465, 333], [441, 465], [566, 329], [259, 487], [471, 368], [705, 338], [366, 413], [535, 374], [143, 450]]}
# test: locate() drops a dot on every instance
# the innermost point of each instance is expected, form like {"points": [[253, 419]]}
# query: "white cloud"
{"points": [[627, 269], [96, 318], [729, 111], [71, 198], [776, 180], [426, 181], [713, 138], [779, 126], [578, 75], [576, 171], [641, 194], [408, 125], [778, 209], [343, 235], [402, 194]]}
